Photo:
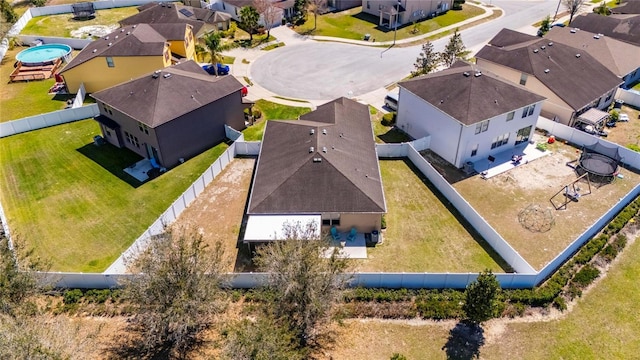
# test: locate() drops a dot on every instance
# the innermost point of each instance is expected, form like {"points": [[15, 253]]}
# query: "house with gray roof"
{"points": [[622, 27], [321, 168], [627, 7], [622, 58], [280, 9], [571, 80], [201, 20], [172, 114], [467, 113]]}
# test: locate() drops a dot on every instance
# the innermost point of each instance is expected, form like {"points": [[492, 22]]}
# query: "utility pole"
{"points": [[557, 9]]}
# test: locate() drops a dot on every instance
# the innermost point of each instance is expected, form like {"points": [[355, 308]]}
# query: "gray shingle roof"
{"points": [[573, 75], [135, 40], [346, 179], [173, 31], [176, 90], [155, 13], [628, 7], [618, 56], [622, 27], [468, 98]]}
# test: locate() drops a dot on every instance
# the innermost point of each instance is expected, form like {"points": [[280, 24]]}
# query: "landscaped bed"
{"points": [[72, 202], [423, 235], [502, 198]]}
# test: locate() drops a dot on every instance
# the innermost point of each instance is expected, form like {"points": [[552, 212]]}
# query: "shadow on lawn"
{"points": [[464, 342], [474, 234], [113, 160]]}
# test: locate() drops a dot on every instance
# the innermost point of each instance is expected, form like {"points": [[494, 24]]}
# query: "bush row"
{"points": [[611, 250], [623, 218]]}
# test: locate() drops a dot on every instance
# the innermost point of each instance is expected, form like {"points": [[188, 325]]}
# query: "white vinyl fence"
{"points": [[49, 119], [630, 97], [77, 44]]}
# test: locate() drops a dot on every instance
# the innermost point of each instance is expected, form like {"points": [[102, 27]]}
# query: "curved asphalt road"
{"points": [[327, 70]]}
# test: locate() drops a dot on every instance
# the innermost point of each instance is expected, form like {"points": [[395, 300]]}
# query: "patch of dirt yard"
{"points": [[217, 212], [502, 198]]}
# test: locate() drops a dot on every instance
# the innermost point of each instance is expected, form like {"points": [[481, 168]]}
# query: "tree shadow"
{"points": [[464, 342], [394, 136], [112, 159]]}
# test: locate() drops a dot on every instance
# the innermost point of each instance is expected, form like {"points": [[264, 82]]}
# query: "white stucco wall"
{"points": [[451, 139]]}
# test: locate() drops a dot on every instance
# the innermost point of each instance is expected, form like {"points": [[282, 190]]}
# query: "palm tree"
{"points": [[249, 17], [213, 42]]}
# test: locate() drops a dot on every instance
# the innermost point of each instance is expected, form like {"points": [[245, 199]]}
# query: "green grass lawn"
{"points": [[62, 24], [78, 213], [271, 111], [353, 24], [422, 233]]}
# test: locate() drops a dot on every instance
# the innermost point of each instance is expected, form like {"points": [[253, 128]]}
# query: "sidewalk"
{"points": [[244, 58]]}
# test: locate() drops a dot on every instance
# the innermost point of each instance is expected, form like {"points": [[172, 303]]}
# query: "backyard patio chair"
{"points": [[352, 234], [335, 234]]}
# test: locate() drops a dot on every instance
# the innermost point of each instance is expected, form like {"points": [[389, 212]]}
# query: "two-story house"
{"points": [[172, 114], [392, 13], [571, 80], [126, 53], [468, 114]]}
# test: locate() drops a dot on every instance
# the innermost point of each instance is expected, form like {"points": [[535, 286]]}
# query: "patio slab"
{"points": [[503, 161], [355, 249], [139, 170]]}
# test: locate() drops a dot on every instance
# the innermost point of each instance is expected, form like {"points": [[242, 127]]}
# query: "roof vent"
{"points": [[596, 37], [573, 31], [441, 101], [535, 50], [551, 43], [94, 50], [128, 32], [543, 47], [495, 102], [324, 149], [116, 37], [155, 74], [312, 131], [109, 44], [324, 131], [121, 30], [106, 37], [311, 149], [546, 71], [577, 55], [134, 26], [130, 92], [478, 73], [466, 74], [317, 160], [166, 76], [601, 35]]}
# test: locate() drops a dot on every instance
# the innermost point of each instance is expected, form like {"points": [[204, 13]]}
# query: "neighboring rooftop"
{"points": [[618, 56], [134, 40], [470, 95], [156, 13], [622, 27], [628, 7], [573, 75], [166, 94], [324, 162]]}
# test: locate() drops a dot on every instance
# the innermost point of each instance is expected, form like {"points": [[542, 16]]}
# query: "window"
{"points": [[523, 79], [523, 135], [368, 5], [531, 108], [608, 97], [108, 133], [331, 219], [474, 150], [110, 62], [525, 111], [132, 139], [500, 140], [482, 126], [143, 128], [510, 115], [107, 109]]}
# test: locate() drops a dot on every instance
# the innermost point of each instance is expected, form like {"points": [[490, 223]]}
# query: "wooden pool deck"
{"points": [[30, 73]]}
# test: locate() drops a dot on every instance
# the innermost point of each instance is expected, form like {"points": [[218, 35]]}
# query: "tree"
{"points": [[175, 294], [213, 43], [268, 11], [573, 6], [249, 18], [482, 298], [602, 9], [545, 25], [454, 49], [306, 278], [428, 60], [316, 7], [17, 276], [261, 339], [299, 9]]}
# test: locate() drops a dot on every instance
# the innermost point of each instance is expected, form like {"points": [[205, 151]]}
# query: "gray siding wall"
{"points": [[199, 130]]}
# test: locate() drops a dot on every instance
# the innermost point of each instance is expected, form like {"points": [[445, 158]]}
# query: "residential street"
{"points": [[321, 71]]}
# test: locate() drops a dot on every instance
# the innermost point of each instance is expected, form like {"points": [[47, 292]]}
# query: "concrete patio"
{"points": [[503, 161]]}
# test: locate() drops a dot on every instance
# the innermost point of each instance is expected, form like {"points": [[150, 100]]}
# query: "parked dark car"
{"points": [[222, 69]]}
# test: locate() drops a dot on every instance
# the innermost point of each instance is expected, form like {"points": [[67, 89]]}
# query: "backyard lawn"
{"points": [[422, 234], [62, 25], [627, 133], [353, 24], [22, 99], [271, 111], [602, 325], [72, 202]]}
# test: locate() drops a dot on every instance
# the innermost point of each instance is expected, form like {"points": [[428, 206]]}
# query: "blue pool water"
{"points": [[43, 54]]}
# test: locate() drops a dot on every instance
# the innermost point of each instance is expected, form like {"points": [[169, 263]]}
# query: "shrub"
{"points": [[72, 296], [257, 114], [98, 296], [574, 292], [559, 303], [512, 310], [388, 119], [585, 276], [397, 356], [38, 3]]}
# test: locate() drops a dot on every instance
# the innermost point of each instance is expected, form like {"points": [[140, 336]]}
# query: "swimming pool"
{"points": [[43, 54]]}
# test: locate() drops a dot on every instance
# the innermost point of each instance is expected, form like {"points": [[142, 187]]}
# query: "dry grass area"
{"points": [[500, 199], [217, 212], [626, 133]]}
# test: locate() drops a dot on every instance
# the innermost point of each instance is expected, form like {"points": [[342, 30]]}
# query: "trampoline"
{"points": [[599, 161]]}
